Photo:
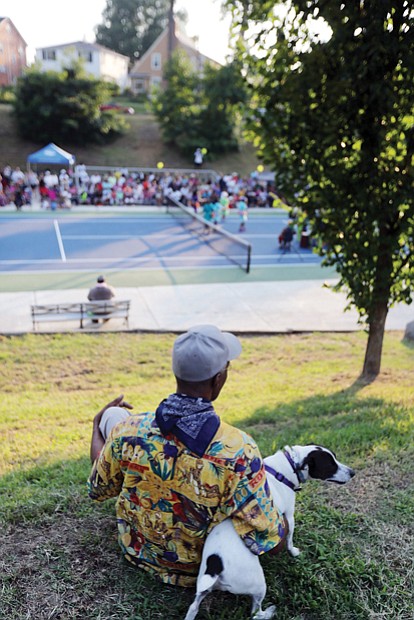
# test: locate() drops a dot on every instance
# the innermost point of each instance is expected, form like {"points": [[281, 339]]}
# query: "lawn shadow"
{"points": [[342, 421]]}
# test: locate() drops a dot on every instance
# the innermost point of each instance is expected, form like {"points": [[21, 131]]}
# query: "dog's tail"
{"points": [[214, 567]]}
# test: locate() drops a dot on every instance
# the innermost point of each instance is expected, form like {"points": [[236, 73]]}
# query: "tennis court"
{"points": [[78, 242]]}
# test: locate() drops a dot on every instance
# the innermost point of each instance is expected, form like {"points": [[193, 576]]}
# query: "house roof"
{"points": [[8, 19], [185, 42], [83, 45], [188, 43], [135, 68]]}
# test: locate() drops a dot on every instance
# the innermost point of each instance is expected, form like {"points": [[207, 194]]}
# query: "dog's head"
{"points": [[319, 463]]}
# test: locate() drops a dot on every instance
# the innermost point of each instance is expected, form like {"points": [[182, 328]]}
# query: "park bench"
{"points": [[110, 309], [93, 310], [56, 312]]}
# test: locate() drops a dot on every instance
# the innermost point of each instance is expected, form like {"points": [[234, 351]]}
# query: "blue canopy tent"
{"points": [[51, 155]]}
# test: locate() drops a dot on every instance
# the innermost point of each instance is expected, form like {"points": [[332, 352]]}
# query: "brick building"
{"points": [[12, 52]]}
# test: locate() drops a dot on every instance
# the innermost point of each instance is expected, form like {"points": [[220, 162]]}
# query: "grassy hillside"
{"points": [[59, 556], [141, 146]]}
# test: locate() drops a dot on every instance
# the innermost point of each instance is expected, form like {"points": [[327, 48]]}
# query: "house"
{"points": [[147, 72], [12, 52], [98, 61]]}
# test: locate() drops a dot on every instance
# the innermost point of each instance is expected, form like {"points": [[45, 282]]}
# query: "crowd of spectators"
{"points": [[211, 197], [63, 189]]}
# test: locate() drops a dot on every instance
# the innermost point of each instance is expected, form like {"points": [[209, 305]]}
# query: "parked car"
{"points": [[117, 107]]}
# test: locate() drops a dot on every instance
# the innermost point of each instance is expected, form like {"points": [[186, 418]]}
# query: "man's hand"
{"points": [[97, 441], [117, 402]]}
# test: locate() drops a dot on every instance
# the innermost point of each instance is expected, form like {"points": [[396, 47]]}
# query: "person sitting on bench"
{"points": [[101, 292]]}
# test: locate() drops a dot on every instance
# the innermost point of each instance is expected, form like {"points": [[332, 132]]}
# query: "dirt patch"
{"points": [[57, 570], [370, 489]]}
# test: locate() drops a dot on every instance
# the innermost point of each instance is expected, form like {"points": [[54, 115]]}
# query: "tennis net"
{"points": [[234, 249]]}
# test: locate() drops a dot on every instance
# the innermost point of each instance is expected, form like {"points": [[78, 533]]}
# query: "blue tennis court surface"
{"points": [[54, 242]]}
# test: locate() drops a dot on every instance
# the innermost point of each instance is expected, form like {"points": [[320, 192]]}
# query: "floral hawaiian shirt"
{"points": [[169, 498]]}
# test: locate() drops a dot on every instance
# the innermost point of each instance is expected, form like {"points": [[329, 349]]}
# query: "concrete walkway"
{"points": [[257, 307]]}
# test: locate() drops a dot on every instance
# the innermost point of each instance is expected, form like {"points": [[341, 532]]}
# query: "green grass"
{"points": [[141, 146], [58, 552]]}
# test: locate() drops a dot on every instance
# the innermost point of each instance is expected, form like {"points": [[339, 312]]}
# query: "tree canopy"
{"points": [[64, 107], [131, 26], [334, 118], [200, 110]]}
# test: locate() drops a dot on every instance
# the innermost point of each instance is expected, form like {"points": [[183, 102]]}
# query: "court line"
{"points": [[76, 217], [157, 236], [70, 218], [143, 269], [125, 259], [132, 259], [59, 240], [23, 261], [116, 269], [151, 235]]}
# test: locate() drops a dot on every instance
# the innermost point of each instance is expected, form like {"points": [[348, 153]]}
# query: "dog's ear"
{"points": [[308, 460], [321, 464]]}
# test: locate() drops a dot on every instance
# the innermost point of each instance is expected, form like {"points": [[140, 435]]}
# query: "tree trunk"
{"points": [[373, 352], [171, 30]]}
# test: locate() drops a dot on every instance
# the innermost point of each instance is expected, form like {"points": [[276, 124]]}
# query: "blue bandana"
{"points": [[192, 420]]}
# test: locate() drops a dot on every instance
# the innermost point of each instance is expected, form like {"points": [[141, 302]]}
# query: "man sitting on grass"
{"points": [[180, 471]]}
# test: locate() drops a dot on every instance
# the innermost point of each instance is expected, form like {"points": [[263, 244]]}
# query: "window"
{"points": [[49, 54], [155, 81], [139, 86], [3, 69], [156, 61], [88, 56]]}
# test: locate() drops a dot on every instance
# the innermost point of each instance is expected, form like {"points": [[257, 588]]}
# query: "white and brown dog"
{"points": [[227, 564]]}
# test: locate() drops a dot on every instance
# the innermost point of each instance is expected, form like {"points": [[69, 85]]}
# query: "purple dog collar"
{"points": [[280, 477], [294, 466]]}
